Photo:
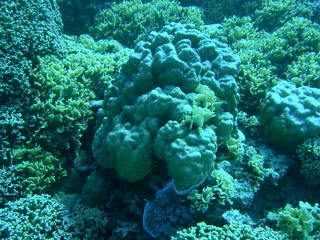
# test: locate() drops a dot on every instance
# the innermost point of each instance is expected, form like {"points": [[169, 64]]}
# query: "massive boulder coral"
{"points": [[290, 115], [175, 100]]}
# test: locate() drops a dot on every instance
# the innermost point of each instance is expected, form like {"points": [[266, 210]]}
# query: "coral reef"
{"points": [[159, 106], [149, 124], [28, 30], [129, 20]]}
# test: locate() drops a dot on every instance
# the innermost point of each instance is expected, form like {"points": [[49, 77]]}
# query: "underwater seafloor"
{"points": [[159, 119]]}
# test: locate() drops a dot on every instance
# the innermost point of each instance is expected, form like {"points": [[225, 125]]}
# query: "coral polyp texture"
{"points": [[290, 115], [308, 153], [28, 29], [174, 101], [233, 231]]}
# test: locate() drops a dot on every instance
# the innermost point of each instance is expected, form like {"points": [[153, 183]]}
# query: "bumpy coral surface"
{"points": [[174, 101], [290, 115]]}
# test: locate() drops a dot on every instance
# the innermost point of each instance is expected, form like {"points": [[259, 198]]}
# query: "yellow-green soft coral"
{"points": [[63, 88], [273, 13], [252, 162], [255, 166], [28, 29], [300, 223], [60, 111], [36, 169], [269, 57], [235, 147], [203, 108], [129, 20], [219, 189], [99, 61], [214, 11], [305, 70]]}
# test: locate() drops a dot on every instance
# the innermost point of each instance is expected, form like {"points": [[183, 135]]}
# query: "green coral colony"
{"points": [[156, 119]]}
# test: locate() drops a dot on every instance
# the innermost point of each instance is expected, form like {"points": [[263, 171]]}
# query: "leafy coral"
{"points": [[248, 159], [300, 36], [302, 222], [274, 13], [28, 29], [99, 61], [31, 171], [268, 57], [63, 88], [305, 70], [36, 169], [215, 11], [219, 189], [128, 20], [60, 110]]}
